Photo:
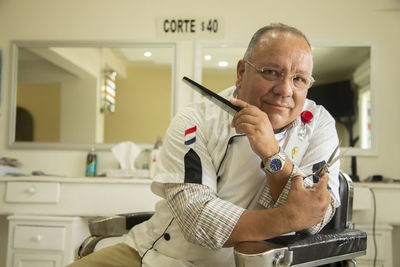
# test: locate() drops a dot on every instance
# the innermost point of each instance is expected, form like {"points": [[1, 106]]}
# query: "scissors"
{"points": [[325, 168]]}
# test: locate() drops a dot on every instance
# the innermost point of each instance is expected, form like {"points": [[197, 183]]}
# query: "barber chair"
{"points": [[338, 244], [110, 228]]}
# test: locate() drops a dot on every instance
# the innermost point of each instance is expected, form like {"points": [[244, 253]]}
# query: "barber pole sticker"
{"points": [[190, 136]]}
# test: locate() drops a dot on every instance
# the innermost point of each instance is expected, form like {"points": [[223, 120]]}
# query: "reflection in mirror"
{"points": [[91, 94], [343, 86], [219, 66]]}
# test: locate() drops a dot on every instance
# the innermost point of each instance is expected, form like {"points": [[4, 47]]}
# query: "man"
{"points": [[228, 179]]}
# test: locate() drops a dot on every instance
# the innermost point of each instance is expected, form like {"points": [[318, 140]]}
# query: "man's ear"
{"points": [[240, 68]]}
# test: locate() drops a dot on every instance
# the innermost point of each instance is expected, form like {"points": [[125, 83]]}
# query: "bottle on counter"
{"points": [[91, 163]]}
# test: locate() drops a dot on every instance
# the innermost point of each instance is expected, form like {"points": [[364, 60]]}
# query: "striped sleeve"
{"points": [[204, 218]]}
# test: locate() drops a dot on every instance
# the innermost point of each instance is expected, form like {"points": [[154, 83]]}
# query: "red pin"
{"points": [[306, 116]]}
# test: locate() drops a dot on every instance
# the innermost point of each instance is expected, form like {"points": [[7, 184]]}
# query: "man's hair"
{"points": [[272, 27]]}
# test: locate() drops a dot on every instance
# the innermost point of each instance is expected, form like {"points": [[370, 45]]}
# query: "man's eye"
{"points": [[268, 72], [299, 79]]}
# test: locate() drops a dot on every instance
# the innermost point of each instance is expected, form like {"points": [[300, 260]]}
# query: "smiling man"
{"points": [[228, 179]]}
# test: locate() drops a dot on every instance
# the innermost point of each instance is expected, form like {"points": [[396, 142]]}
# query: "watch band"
{"points": [[275, 163]]}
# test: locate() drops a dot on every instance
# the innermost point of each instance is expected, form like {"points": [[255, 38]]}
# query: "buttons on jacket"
{"points": [[167, 236]]}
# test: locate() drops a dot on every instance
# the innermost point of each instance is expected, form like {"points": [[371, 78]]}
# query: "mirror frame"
{"points": [[348, 151], [15, 44]]}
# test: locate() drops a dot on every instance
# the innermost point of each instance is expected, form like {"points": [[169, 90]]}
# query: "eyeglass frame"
{"points": [[282, 75]]}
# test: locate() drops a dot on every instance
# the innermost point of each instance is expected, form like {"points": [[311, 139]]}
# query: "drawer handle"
{"points": [[31, 190], [38, 238]]}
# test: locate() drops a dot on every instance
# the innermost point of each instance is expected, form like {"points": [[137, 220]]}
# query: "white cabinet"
{"points": [[382, 243], [43, 240], [48, 223], [376, 207]]}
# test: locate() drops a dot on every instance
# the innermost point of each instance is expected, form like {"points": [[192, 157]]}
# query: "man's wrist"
{"points": [[295, 171], [287, 219], [269, 154], [274, 163]]}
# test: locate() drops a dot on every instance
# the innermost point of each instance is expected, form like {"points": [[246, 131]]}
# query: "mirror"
{"points": [[342, 69], [80, 95]]}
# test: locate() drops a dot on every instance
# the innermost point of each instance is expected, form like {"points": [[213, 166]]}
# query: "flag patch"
{"points": [[190, 136]]}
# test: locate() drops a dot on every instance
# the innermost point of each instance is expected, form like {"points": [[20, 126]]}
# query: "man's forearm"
{"points": [[256, 225], [278, 181]]}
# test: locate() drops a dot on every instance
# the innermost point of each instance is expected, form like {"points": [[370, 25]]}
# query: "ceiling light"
{"points": [[223, 63], [147, 54], [207, 57]]}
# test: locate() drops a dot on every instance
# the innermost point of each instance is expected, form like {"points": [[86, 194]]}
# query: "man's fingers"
{"points": [[247, 111], [323, 181], [297, 182], [248, 119], [239, 102]]}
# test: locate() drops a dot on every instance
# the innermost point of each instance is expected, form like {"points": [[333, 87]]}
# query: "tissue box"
{"points": [[120, 173]]}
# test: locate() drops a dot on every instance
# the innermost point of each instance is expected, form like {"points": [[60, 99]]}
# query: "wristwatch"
{"points": [[274, 163]]}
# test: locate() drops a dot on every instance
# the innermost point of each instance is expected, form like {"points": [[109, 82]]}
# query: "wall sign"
{"points": [[189, 27]]}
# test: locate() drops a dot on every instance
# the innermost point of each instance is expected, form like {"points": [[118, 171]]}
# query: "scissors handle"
{"points": [[324, 169]]}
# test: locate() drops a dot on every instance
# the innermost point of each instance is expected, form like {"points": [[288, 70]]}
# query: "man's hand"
{"points": [[306, 207], [255, 124]]}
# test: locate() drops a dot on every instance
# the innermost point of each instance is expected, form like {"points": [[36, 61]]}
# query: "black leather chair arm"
{"points": [[324, 245]]}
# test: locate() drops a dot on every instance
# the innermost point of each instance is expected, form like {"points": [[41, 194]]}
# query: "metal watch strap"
{"points": [[279, 158]]}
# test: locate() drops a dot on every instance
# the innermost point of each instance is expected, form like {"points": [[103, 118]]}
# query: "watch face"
{"points": [[275, 165]]}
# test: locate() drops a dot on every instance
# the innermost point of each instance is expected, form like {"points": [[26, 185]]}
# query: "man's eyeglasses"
{"points": [[299, 81]]}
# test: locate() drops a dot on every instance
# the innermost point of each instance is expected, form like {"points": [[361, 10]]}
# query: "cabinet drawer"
{"points": [[32, 192], [37, 260], [39, 237]]}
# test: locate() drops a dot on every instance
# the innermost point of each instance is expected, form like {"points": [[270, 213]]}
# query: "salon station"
{"points": [[88, 89]]}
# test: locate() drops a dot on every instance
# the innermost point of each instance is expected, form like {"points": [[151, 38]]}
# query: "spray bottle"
{"points": [[91, 163]]}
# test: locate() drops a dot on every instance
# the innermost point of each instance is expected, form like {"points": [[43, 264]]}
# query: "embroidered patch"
{"points": [[315, 168], [193, 171], [318, 166], [190, 136]]}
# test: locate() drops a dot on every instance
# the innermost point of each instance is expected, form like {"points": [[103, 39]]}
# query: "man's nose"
{"points": [[284, 86]]}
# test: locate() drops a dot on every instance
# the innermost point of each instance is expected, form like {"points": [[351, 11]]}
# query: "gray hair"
{"points": [[273, 26]]}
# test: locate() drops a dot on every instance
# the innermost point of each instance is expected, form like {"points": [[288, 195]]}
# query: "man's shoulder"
{"points": [[204, 113], [228, 92], [318, 111]]}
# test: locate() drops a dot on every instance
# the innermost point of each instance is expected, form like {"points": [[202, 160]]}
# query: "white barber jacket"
{"points": [[223, 161]]}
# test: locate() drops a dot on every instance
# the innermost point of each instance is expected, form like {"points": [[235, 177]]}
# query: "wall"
{"points": [[366, 21]]}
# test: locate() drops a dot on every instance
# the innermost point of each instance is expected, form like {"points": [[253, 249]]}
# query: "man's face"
{"points": [[284, 52]]}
